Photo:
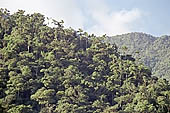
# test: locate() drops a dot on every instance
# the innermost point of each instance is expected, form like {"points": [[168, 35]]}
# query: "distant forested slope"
{"points": [[47, 69], [154, 52]]}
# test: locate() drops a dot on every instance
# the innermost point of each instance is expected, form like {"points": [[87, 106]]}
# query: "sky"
{"points": [[111, 17]]}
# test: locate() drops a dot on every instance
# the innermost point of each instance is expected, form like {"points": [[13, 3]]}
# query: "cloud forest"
{"points": [[53, 69]]}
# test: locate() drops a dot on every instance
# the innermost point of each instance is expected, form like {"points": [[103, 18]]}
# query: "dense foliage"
{"points": [[154, 52], [57, 70]]}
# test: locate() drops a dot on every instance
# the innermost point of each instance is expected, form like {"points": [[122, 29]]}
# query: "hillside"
{"points": [[154, 52], [59, 70]]}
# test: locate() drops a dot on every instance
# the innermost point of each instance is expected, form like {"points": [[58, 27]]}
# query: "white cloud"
{"points": [[112, 22], [115, 22], [102, 18], [67, 10]]}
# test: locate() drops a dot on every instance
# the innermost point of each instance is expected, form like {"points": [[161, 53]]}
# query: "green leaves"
{"points": [[21, 109], [44, 96]]}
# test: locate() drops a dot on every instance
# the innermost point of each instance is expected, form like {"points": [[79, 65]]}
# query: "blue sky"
{"points": [[111, 17]]}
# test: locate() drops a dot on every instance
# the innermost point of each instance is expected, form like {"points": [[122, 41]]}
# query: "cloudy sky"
{"points": [[111, 17]]}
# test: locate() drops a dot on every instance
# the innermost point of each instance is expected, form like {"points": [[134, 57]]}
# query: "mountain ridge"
{"points": [[138, 32], [153, 51]]}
